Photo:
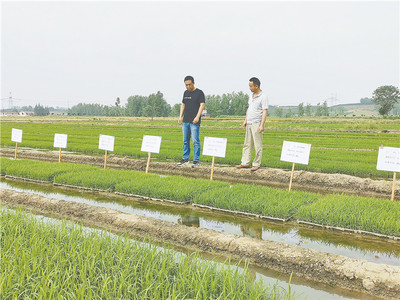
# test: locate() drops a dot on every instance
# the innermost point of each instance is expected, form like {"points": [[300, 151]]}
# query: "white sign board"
{"points": [[298, 153], [388, 159], [16, 135], [214, 146], [106, 142], [60, 140], [151, 144]]}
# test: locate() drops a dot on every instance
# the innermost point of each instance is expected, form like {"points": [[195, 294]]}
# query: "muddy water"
{"points": [[355, 246]]}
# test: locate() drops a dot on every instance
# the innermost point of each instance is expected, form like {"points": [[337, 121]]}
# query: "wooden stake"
{"points": [[394, 185], [16, 149], [212, 168], [148, 162], [291, 178], [105, 160], [59, 156]]}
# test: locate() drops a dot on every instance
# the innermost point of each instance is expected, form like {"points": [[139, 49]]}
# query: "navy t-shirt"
{"points": [[192, 102]]}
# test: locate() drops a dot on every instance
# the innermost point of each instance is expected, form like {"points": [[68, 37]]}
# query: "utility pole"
{"points": [[10, 102]]}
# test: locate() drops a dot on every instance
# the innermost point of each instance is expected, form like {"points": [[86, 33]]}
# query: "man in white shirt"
{"points": [[256, 116]]}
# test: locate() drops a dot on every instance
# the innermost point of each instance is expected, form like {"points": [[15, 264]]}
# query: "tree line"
{"points": [[229, 104]]}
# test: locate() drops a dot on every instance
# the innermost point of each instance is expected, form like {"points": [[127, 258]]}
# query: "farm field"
{"points": [[358, 213], [46, 260], [346, 146]]}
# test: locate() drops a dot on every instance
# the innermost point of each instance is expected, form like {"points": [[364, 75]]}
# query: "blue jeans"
{"points": [[192, 130]]}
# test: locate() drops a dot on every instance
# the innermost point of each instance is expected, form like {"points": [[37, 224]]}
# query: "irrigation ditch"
{"points": [[303, 180], [371, 278]]}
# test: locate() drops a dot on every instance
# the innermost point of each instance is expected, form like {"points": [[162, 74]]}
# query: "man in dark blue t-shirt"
{"points": [[193, 103]]}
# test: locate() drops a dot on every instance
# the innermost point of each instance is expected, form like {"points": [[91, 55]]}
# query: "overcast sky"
{"points": [[63, 53]]}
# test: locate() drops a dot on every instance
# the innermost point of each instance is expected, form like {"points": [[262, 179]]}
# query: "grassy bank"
{"points": [[359, 213]]}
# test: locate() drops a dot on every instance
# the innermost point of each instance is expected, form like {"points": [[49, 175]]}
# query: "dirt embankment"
{"points": [[302, 180], [359, 275]]}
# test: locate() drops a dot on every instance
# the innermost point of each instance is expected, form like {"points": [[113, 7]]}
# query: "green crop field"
{"points": [[347, 146], [359, 213], [54, 260]]}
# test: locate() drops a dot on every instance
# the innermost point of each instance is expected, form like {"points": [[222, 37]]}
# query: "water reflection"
{"points": [[355, 246]]}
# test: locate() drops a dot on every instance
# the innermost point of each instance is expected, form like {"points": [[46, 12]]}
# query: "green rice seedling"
{"points": [[99, 178], [40, 170], [4, 164], [169, 187], [359, 213], [257, 199], [48, 260]]}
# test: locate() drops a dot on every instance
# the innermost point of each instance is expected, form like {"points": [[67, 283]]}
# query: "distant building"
{"points": [[26, 113]]}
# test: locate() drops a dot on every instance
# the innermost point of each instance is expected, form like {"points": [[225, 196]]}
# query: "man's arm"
{"points": [[245, 120], [197, 118], [181, 113], [264, 118]]}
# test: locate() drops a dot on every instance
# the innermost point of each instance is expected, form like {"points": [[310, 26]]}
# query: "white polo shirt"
{"points": [[256, 107]]}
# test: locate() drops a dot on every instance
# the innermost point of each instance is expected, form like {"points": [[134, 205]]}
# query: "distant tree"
{"points": [[386, 97], [322, 110], [239, 103], [366, 101], [308, 110], [176, 109], [289, 113], [83, 109], [135, 106], [156, 106], [278, 112], [117, 102], [300, 109], [39, 110], [213, 105]]}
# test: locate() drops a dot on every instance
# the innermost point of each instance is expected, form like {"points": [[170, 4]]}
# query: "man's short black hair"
{"points": [[255, 81], [189, 78]]}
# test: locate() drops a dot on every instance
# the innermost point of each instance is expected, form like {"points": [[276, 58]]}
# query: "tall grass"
{"points": [[48, 261]]}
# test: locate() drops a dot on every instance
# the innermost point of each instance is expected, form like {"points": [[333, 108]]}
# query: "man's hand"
{"points": [[261, 129], [196, 120], [244, 124], [180, 120]]}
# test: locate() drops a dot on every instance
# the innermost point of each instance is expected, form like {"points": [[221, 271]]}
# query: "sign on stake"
{"points": [[295, 153], [150, 144], [215, 147], [60, 141], [106, 142], [389, 160], [16, 136]]}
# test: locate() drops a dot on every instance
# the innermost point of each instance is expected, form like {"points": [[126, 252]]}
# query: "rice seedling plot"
{"points": [[256, 199], [332, 152], [49, 261], [369, 214], [339, 211]]}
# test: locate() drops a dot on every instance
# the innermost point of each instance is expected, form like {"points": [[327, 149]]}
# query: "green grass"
{"points": [[342, 145], [41, 260], [369, 214]]}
